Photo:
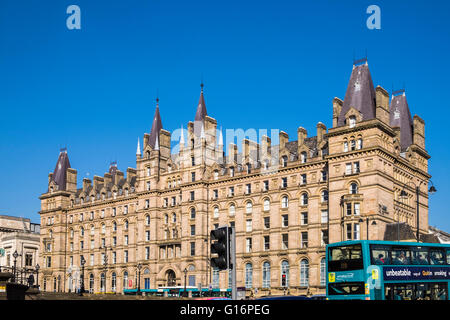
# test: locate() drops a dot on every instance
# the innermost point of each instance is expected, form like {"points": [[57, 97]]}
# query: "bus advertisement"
{"points": [[382, 270]]}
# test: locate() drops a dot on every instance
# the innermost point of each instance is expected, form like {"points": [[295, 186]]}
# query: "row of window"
{"points": [[102, 196]]}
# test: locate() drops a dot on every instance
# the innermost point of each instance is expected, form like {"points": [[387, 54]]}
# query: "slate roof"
{"points": [[60, 174], [400, 116], [156, 126], [201, 108], [360, 94]]}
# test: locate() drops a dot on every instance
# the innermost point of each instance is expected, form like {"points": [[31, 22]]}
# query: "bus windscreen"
{"points": [[345, 258]]}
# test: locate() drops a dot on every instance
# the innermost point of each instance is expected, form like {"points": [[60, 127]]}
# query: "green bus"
{"points": [[387, 270]]}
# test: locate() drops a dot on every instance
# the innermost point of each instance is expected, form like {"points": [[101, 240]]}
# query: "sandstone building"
{"points": [[286, 201]]}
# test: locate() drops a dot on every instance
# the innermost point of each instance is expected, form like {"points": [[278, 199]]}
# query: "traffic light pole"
{"points": [[233, 263]]}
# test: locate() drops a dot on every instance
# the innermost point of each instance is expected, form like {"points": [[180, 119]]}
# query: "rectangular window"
{"points": [[248, 188], [285, 241], [324, 237], [114, 257], [348, 168], [304, 239], [125, 256], [248, 245], [356, 167], [248, 226], [114, 241], [193, 161], [266, 185], [125, 210], [91, 260], [231, 191], [215, 194], [324, 216], [356, 207], [147, 235], [303, 179], [266, 222], [125, 240], [147, 253], [304, 218], [349, 209], [81, 245], [356, 235], [284, 183], [192, 248], [285, 220], [192, 194], [345, 258], [193, 230], [266, 243], [192, 176], [349, 231]]}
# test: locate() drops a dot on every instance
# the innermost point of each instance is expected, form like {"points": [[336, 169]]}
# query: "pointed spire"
{"points": [[138, 150], [400, 116], [59, 174], [182, 135], [360, 93], [201, 108], [220, 138], [156, 126]]}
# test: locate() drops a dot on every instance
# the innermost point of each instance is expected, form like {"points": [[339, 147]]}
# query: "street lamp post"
{"points": [[15, 255], [82, 275], [185, 275], [139, 267], [403, 195], [37, 275]]}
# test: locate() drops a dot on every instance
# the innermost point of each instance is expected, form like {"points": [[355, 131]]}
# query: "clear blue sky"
{"points": [[278, 63]]}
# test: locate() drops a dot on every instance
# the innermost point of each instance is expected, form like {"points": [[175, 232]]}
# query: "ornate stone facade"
{"points": [[286, 201]]}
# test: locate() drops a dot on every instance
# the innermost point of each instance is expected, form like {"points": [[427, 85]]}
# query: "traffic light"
{"points": [[283, 280], [220, 245]]}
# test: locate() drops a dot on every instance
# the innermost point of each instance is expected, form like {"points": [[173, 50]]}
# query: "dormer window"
{"points": [[352, 121], [303, 157], [216, 174], [284, 161], [232, 172]]}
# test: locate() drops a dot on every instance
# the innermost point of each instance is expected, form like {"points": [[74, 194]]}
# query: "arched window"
{"points": [[232, 210], [248, 275], [92, 230], [353, 188], [248, 207], [174, 217], [82, 231], [192, 213], [266, 275], [359, 144], [216, 212], [323, 272], [284, 202], [304, 273], [285, 273], [147, 220], [266, 204], [113, 282], [324, 196], [103, 228], [304, 199], [102, 282], [345, 146], [125, 280], [91, 283], [114, 226], [126, 224]]}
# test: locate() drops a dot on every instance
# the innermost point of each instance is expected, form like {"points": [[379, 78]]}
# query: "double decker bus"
{"points": [[386, 270]]}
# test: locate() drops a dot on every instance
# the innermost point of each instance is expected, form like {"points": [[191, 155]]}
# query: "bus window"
{"points": [[335, 289], [419, 255], [448, 256], [380, 255], [345, 258], [437, 256], [400, 256]]}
